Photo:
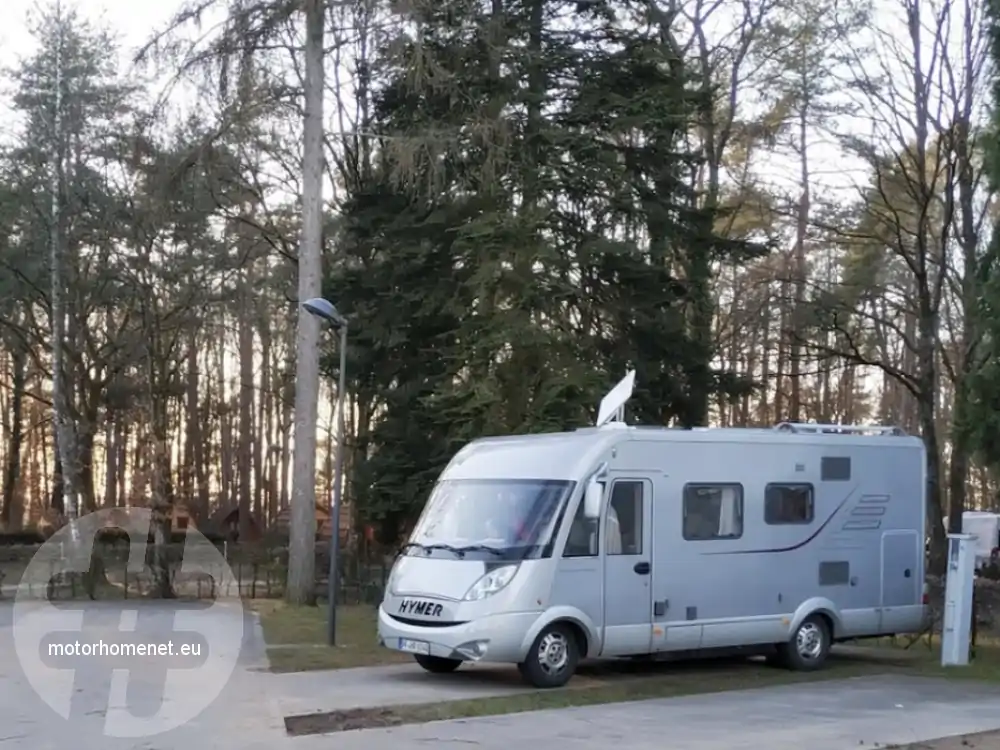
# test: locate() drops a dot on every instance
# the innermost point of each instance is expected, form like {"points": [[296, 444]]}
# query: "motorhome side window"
{"points": [[584, 535], [788, 504], [713, 511], [624, 534]]}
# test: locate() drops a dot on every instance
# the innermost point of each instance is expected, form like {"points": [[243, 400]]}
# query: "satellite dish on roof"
{"points": [[613, 404]]}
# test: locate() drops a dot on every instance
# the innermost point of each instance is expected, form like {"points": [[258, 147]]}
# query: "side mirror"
{"points": [[592, 499]]}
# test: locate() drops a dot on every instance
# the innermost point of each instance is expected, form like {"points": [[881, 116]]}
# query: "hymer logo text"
{"points": [[415, 607]]}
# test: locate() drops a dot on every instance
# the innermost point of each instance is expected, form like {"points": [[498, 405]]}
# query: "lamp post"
{"points": [[324, 310]]}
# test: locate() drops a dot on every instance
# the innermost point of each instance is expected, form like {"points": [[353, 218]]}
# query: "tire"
{"points": [[777, 658], [809, 646], [552, 658], [437, 664]]}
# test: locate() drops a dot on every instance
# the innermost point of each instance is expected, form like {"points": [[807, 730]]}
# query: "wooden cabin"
{"points": [[225, 523], [323, 522], [181, 518]]}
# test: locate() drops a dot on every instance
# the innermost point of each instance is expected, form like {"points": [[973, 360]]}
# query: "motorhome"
{"points": [[625, 541], [985, 526]]}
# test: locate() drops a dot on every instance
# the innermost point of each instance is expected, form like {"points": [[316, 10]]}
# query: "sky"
{"points": [[134, 20]]}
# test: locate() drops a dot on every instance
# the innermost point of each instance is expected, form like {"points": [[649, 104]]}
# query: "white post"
{"points": [[958, 592]]}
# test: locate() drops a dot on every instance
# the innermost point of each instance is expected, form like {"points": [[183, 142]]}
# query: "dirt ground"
{"points": [[982, 741]]}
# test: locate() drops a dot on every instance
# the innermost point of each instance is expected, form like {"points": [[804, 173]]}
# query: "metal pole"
{"points": [[333, 581]]}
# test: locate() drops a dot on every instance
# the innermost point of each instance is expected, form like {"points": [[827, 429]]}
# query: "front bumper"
{"points": [[501, 637]]}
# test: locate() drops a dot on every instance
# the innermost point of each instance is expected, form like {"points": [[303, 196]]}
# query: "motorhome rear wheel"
{"points": [[437, 664], [809, 645], [552, 658]]}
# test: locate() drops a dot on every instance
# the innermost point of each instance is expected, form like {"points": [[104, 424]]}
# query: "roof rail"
{"points": [[842, 429]]}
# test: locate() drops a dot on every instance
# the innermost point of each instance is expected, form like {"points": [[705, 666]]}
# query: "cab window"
{"points": [[584, 535]]}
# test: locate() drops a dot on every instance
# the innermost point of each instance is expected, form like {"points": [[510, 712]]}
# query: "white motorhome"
{"points": [[616, 541], [985, 526]]}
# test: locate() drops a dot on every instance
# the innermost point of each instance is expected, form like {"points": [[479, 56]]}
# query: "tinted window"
{"points": [[624, 535], [788, 503], [584, 535], [713, 511]]}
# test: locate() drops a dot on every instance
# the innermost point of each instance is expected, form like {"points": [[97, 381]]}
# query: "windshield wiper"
{"points": [[459, 551], [481, 548]]}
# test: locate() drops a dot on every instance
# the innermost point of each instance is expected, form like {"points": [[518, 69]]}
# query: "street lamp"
{"points": [[324, 310]]}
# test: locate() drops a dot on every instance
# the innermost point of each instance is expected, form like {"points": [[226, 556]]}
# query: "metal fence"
{"points": [[252, 570]]}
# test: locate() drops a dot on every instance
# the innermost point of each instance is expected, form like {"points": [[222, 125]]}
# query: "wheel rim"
{"points": [[809, 640], [553, 653]]}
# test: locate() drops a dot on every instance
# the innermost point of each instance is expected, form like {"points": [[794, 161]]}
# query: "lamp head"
{"points": [[325, 310]]}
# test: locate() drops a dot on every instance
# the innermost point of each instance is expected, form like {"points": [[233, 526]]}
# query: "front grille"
{"points": [[426, 623]]}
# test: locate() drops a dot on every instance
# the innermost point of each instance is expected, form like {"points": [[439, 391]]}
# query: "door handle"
{"points": [[642, 568]]}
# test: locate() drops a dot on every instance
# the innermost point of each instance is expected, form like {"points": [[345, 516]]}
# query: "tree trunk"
{"points": [[199, 427], [122, 441], [19, 375], [38, 466], [265, 460], [958, 468], [226, 431], [246, 441], [301, 588], [261, 426], [85, 459], [64, 429], [801, 232], [57, 486], [780, 405], [927, 379]]}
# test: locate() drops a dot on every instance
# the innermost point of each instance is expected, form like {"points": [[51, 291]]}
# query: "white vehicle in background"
{"points": [[985, 526], [613, 541]]}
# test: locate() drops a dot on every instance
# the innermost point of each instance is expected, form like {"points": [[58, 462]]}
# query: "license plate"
{"points": [[414, 647]]}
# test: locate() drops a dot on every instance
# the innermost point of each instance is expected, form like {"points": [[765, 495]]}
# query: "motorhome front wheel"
{"points": [[809, 645], [552, 658]]}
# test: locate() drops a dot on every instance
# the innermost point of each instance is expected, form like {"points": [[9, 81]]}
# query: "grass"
{"points": [[296, 638], [925, 658], [601, 683], [617, 682]]}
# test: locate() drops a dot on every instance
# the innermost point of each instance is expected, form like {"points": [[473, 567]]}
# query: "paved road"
{"points": [[248, 713], [241, 717]]}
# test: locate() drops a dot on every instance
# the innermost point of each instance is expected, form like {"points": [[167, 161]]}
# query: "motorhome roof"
{"points": [[568, 455]]}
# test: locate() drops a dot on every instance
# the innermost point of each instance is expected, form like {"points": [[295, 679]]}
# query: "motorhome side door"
{"points": [[628, 566]]}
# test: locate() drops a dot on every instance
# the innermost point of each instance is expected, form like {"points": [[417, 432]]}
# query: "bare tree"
{"points": [[66, 433], [909, 207]]}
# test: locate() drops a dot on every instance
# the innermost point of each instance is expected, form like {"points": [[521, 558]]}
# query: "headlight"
{"points": [[491, 583], [390, 582]]}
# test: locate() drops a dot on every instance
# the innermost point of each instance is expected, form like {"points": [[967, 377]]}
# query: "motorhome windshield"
{"points": [[489, 519]]}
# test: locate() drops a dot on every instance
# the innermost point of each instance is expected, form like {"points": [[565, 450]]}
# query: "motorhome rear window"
{"points": [[713, 511], [788, 504]]}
